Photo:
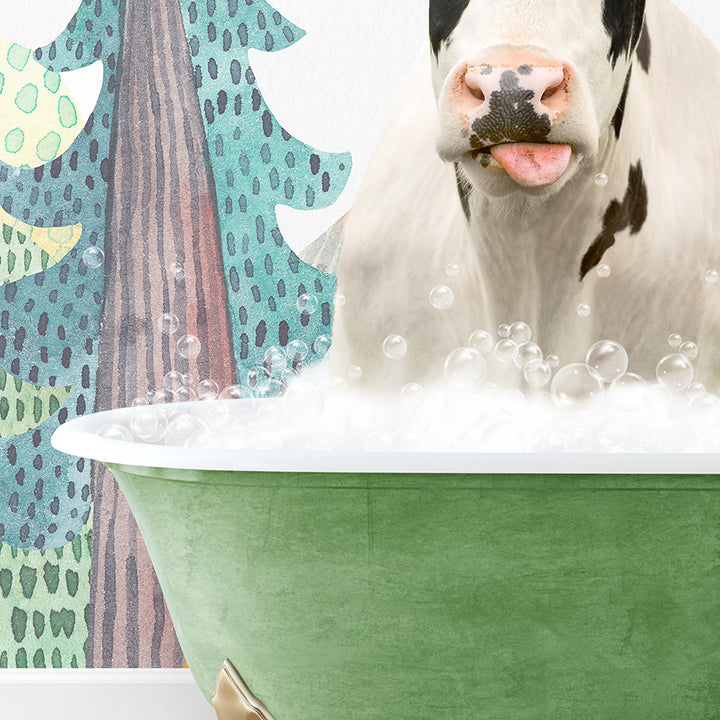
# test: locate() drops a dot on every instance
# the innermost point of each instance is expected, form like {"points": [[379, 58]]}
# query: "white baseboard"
{"points": [[70, 694]]}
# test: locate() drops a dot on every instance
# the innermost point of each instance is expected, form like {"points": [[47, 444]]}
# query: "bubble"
{"points": [[576, 387], [340, 300], [512, 402], [275, 361], [527, 353], [177, 271], [270, 389], [674, 340], [506, 350], [674, 372], [296, 350], [233, 392], [168, 323], [711, 277], [608, 359], [355, 372], [583, 310], [537, 373], [147, 424], [465, 368], [603, 270], [307, 303], [503, 330], [520, 333], [303, 401], [613, 435], [412, 395], [269, 415], [173, 380], [601, 179], [481, 341], [203, 439], [553, 361], [689, 350], [452, 269], [185, 394], [628, 391], [321, 344], [236, 437], [256, 377], [705, 405], [93, 257], [337, 386], [395, 347], [180, 425], [115, 431], [208, 390], [441, 297], [188, 347], [695, 389]]}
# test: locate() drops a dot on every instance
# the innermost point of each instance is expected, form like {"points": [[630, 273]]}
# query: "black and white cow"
{"points": [[491, 161]]}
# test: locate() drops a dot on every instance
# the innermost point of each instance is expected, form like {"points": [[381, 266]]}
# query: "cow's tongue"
{"points": [[533, 164]]}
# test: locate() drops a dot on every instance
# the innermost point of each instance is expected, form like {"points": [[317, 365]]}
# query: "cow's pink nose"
{"points": [[511, 91]]}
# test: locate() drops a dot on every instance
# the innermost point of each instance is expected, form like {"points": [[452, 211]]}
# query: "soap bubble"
{"points": [[355, 372], [321, 344], [689, 350], [601, 179], [711, 277], [270, 389], [177, 271], [337, 386], [256, 377], [395, 347], [412, 395], [537, 373], [203, 439], [441, 297], [147, 424], [506, 351], [481, 341], [695, 389], [628, 391], [527, 353], [139, 402], [307, 303], [180, 425], [674, 340], [553, 360], [583, 310], [168, 323], [603, 270], [173, 380], [340, 299], [503, 330], [465, 368], [188, 347], [233, 392], [185, 394], [296, 350], [115, 431], [452, 269], [674, 372], [303, 400], [208, 390], [512, 402], [275, 361], [608, 359], [520, 333], [93, 257], [576, 387]]}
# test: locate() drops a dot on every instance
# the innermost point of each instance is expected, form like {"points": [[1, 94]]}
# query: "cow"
{"points": [[562, 158]]}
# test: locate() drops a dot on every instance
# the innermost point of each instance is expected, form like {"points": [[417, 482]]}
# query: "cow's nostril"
{"points": [[550, 92], [477, 93]]}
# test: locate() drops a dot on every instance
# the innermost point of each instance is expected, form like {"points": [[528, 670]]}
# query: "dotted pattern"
{"points": [[44, 605], [39, 118], [49, 322], [257, 165]]}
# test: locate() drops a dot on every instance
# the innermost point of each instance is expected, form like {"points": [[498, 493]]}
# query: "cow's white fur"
{"points": [[520, 257]]}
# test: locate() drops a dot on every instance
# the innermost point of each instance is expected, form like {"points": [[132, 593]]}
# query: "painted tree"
{"points": [[257, 165], [53, 187]]}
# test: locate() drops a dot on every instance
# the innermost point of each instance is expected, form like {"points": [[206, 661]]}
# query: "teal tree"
{"points": [[273, 297]]}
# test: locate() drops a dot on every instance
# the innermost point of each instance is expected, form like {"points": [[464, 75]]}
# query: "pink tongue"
{"points": [[533, 164]]}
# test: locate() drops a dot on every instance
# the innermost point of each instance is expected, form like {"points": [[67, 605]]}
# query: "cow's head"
{"points": [[528, 90]]}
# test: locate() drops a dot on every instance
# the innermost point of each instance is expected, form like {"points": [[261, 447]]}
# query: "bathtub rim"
{"points": [[77, 437]]}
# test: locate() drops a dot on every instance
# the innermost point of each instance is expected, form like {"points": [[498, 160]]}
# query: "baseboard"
{"points": [[103, 694]]}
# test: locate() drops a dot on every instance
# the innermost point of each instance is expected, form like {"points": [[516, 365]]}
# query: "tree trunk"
{"points": [[161, 210]]}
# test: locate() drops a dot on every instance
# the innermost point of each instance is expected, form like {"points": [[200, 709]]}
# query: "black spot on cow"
{"points": [[623, 21], [619, 116], [444, 16], [630, 213], [464, 189], [644, 49], [511, 116]]}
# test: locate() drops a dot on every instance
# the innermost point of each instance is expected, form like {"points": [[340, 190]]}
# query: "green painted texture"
{"points": [[461, 596]]}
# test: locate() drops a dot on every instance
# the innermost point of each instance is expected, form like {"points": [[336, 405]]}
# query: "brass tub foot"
{"points": [[233, 700]]}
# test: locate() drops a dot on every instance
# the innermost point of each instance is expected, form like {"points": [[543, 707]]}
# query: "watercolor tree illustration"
{"points": [[53, 186]]}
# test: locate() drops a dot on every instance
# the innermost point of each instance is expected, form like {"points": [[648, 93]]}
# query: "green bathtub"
{"points": [[432, 586]]}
